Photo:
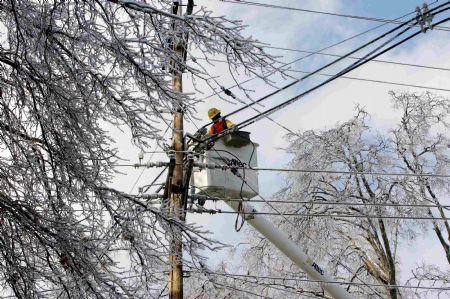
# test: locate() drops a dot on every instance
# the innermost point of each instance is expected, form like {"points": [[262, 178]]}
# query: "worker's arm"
{"points": [[210, 132], [230, 124]]}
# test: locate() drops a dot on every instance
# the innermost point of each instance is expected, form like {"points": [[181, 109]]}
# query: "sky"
{"points": [[323, 108]]}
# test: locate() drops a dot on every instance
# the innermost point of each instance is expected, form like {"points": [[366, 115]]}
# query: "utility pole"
{"points": [[175, 180], [176, 199]]}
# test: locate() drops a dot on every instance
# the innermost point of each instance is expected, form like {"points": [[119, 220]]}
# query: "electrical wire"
{"points": [[356, 58], [149, 159], [138, 165], [301, 280], [339, 203], [335, 61], [304, 57], [351, 172], [153, 183], [380, 20], [306, 202], [328, 215], [338, 171], [283, 279], [360, 79], [335, 282], [284, 287], [379, 81], [297, 97]]}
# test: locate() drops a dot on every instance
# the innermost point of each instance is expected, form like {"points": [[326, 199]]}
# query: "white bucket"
{"points": [[223, 183]]}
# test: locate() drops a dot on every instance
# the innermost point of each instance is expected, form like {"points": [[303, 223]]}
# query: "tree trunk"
{"points": [[441, 238], [393, 292]]}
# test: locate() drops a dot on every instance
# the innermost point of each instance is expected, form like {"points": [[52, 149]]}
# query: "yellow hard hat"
{"points": [[213, 112]]}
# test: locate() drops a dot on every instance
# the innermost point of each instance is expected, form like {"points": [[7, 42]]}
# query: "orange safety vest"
{"points": [[218, 126]]}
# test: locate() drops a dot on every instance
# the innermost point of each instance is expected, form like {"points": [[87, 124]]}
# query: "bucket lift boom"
{"points": [[293, 251], [225, 185]]}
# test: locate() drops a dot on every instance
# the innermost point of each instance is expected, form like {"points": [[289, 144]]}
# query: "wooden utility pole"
{"points": [[176, 201], [176, 181]]}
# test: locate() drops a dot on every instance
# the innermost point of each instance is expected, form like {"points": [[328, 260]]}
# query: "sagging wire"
{"points": [[367, 79], [329, 64], [341, 73]]}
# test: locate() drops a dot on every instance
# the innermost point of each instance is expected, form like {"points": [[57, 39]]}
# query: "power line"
{"points": [[149, 159], [347, 172], [380, 81], [212, 211], [262, 277], [357, 58], [212, 165], [312, 73], [306, 202], [304, 280], [341, 203], [297, 97], [361, 79], [336, 282], [380, 20], [353, 66], [285, 288], [304, 57]]}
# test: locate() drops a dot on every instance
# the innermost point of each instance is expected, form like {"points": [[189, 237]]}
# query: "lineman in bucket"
{"points": [[219, 123]]}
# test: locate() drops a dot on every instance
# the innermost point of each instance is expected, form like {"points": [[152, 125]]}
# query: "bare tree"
{"points": [[422, 147], [67, 70], [363, 248]]}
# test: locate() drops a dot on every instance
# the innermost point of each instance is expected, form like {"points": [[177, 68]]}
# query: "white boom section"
{"points": [[293, 251]]}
